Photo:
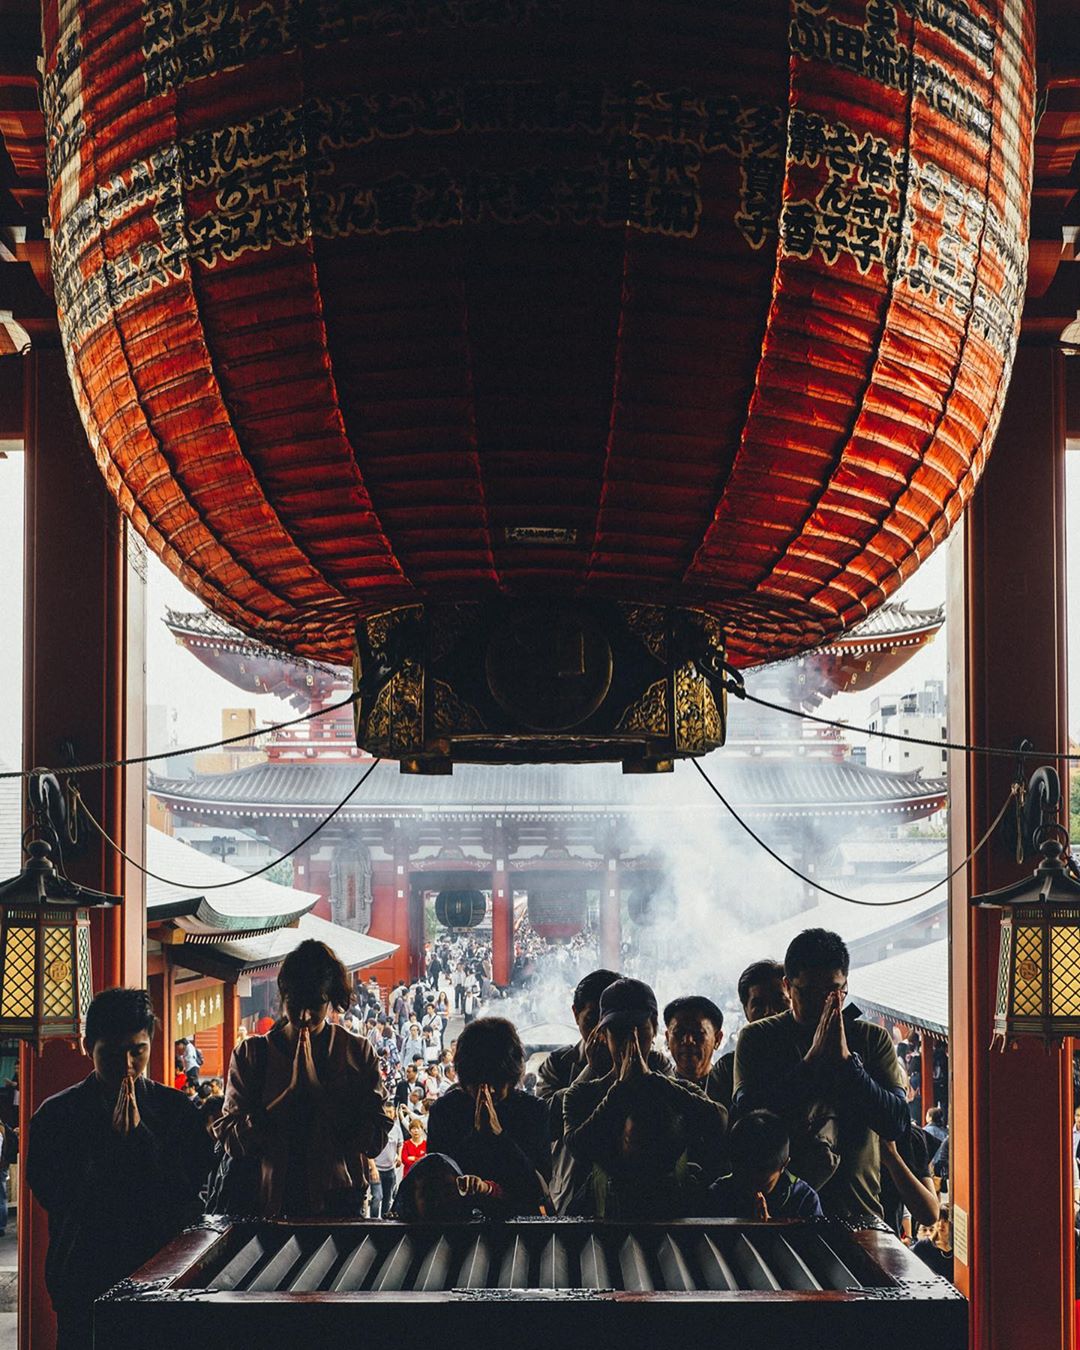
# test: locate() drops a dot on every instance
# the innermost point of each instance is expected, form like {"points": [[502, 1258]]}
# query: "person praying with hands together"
{"points": [[829, 1074], [489, 1126], [636, 1127], [304, 1103], [117, 1162]]}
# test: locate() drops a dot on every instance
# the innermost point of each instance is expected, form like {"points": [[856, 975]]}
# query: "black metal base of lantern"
{"points": [[538, 681]]}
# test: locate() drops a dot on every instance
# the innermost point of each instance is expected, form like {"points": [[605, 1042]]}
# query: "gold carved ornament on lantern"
{"points": [[1038, 991], [46, 981]]}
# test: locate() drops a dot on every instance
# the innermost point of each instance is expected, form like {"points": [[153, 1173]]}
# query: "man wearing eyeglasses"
{"points": [[830, 1074]]}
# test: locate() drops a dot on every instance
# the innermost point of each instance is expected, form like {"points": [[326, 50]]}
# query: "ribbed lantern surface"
{"points": [[704, 304]]}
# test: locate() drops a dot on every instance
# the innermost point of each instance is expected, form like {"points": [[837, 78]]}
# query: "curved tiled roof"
{"points": [[247, 904], [912, 986], [757, 785], [268, 950], [891, 620]]}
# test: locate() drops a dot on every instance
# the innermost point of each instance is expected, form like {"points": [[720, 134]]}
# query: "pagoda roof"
{"points": [[249, 905], [757, 785], [251, 665], [912, 987], [864, 656], [888, 622]]}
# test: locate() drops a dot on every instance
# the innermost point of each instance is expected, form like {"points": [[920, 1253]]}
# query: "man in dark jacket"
{"points": [[636, 1129], [117, 1161], [694, 1028], [761, 993], [565, 1066], [583, 1062], [832, 1076]]}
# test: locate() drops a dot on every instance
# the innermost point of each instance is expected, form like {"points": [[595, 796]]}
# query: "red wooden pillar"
{"points": [[80, 689], [926, 1075], [231, 1024], [161, 1057], [1008, 680], [610, 916], [410, 912], [502, 911]]}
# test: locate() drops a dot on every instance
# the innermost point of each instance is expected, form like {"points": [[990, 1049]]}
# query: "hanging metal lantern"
{"points": [[1038, 991], [460, 909], [641, 905], [495, 342], [557, 912], [46, 982]]}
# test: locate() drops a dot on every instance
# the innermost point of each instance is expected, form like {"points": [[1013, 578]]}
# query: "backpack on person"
{"points": [[198, 1055]]}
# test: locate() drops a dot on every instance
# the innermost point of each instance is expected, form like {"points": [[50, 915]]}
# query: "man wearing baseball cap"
{"points": [[636, 1126]]}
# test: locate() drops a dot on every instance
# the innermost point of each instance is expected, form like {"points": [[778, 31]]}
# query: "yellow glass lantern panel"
{"points": [[1065, 971], [57, 972], [17, 994], [1029, 967]]}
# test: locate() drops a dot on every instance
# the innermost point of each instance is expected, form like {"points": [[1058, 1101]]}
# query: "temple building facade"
{"points": [[577, 843]]}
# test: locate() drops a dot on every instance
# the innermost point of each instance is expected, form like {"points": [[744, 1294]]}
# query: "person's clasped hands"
{"points": [[125, 1116], [631, 1061], [485, 1116], [304, 1079], [829, 1046]]}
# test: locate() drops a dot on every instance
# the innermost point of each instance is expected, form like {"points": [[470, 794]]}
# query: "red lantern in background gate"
{"points": [[542, 350]]}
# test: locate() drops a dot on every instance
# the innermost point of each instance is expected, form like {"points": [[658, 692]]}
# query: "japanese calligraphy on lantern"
{"points": [[725, 292]]}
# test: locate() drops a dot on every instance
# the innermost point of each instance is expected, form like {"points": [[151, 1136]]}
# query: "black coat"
{"points": [[113, 1201], [512, 1159]]}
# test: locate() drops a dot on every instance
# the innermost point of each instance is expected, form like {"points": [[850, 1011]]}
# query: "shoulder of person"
{"points": [[529, 1106], [253, 1050], [357, 1047], [722, 1069], [454, 1099], [920, 1147], [559, 1063], [765, 1031], [590, 1091], [68, 1102]]}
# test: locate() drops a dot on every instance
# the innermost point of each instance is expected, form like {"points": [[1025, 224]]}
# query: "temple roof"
{"points": [[867, 654], [892, 630], [887, 622], [250, 905], [912, 987], [251, 665], [759, 785], [267, 951]]}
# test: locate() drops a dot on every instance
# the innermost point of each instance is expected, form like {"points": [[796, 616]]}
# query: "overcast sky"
{"points": [[178, 681]]}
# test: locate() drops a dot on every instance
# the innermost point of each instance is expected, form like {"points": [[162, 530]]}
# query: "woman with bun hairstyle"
{"points": [[304, 1103]]}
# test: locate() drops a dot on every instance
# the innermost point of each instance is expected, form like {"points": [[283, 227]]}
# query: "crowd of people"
{"points": [[349, 1105]]}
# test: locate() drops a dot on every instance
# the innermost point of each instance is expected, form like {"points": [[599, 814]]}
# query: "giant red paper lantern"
{"points": [[377, 308]]}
